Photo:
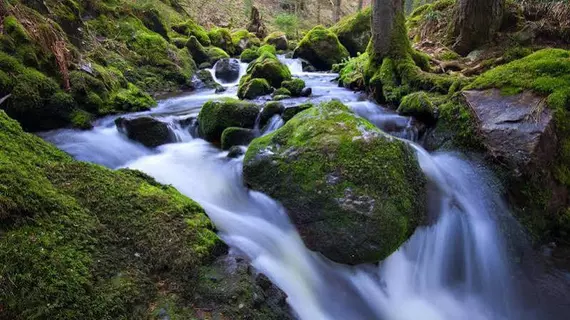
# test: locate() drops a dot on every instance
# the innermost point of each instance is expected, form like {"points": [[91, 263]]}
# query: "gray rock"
{"points": [[227, 70], [516, 129], [306, 92], [145, 130]]}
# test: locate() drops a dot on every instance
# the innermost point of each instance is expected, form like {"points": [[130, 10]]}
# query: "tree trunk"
{"points": [[389, 35], [336, 15], [360, 4], [475, 23]]}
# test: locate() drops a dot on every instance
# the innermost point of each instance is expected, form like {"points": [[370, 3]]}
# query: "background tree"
{"points": [[475, 23], [337, 10]]}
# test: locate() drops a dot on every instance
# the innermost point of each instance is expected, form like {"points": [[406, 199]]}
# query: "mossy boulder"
{"points": [[354, 193], [131, 99], [321, 48], [202, 54], [253, 88], [217, 116], [148, 131], [190, 28], [353, 31], [248, 55], [419, 106], [234, 136], [243, 40], [268, 67], [222, 38], [295, 86], [278, 40]]}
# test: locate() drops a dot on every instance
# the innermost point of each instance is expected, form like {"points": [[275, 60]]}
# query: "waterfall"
{"points": [[456, 268]]}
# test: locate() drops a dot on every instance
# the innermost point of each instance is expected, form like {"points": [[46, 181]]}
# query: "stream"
{"points": [[460, 267]]}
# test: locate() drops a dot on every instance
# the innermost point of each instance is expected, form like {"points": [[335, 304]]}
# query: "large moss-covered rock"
{"points": [[353, 31], [354, 193], [216, 116], [321, 48]]}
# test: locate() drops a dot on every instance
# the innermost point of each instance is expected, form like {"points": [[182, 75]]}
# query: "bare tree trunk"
{"points": [[360, 4], [476, 21], [337, 7], [389, 35]]}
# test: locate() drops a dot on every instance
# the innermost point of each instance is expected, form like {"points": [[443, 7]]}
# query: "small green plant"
{"points": [[288, 23]]}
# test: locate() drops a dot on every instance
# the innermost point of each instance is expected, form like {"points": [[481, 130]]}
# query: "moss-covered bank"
{"points": [[79, 241]]}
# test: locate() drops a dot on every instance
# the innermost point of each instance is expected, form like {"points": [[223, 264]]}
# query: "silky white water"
{"points": [[457, 268]]}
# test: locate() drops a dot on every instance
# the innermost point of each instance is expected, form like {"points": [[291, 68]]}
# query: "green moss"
{"points": [[351, 75], [267, 48], [277, 39], [82, 241], [268, 67], [82, 120], [250, 54], [321, 48], [131, 99], [190, 28], [89, 92], [322, 153], [290, 112], [295, 86], [419, 106], [282, 92], [235, 136], [222, 38], [37, 102], [448, 55], [201, 54], [243, 40], [253, 88], [216, 116], [353, 31]]}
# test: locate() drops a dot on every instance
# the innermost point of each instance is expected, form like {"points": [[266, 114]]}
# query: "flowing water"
{"points": [[457, 268]]}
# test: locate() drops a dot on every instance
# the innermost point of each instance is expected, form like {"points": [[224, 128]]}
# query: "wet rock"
{"points": [[253, 88], [307, 67], [306, 92], [516, 129], [203, 79], [146, 130], [354, 193], [236, 152], [234, 136], [232, 289], [269, 110], [227, 70]]}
